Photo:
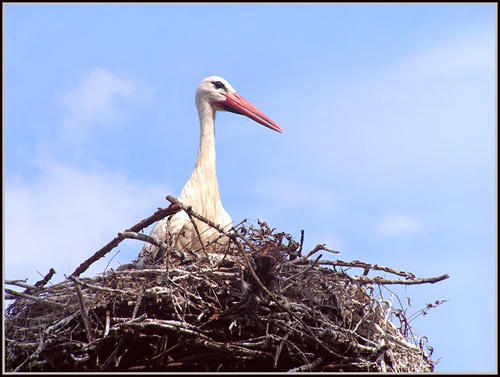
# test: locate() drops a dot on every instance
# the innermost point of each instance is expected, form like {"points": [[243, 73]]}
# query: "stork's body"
{"points": [[201, 192]]}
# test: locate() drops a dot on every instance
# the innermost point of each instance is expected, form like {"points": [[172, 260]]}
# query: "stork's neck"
{"points": [[202, 189], [206, 151]]}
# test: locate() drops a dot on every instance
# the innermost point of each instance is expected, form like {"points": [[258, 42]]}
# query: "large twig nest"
{"points": [[255, 305]]}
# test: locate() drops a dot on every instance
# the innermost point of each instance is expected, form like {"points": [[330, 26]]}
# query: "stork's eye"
{"points": [[218, 85]]}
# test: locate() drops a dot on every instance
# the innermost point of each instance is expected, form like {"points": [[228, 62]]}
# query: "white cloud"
{"points": [[293, 193], [66, 215], [426, 116], [398, 225], [95, 101], [63, 213], [469, 53]]}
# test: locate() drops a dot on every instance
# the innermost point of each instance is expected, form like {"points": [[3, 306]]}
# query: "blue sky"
{"points": [[388, 155]]}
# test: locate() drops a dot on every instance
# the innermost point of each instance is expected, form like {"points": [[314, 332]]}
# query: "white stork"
{"points": [[201, 191]]}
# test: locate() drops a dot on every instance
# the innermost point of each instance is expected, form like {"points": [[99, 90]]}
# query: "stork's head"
{"points": [[221, 96]]}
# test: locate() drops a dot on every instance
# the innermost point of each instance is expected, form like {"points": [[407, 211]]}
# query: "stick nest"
{"points": [[256, 304]]}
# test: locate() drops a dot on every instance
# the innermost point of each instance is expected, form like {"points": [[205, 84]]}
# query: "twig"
{"points": [[11, 294], [378, 280], [280, 347], [189, 210], [189, 213], [400, 342], [359, 264], [301, 243], [33, 356], [20, 283], [60, 323], [308, 367], [108, 322], [112, 356], [80, 359], [221, 230], [104, 289], [230, 347], [182, 327], [424, 311], [303, 271], [83, 311], [318, 248], [144, 237], [45, 280], [138, 302], [167, 351]]}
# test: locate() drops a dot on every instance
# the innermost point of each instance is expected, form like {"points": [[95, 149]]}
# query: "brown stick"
{"points": [[45, 280], [358, 264], [11, 294], [379, 280], [83, 310]]}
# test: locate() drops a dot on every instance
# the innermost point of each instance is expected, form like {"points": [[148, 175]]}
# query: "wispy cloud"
{"points": [[398, 225], [426, 115], [472, 52], [97, 101], [293, 193], [67, 214], [64, 212]]}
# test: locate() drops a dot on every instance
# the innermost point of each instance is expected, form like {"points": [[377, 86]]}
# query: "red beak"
{"points": [[237, 104]]}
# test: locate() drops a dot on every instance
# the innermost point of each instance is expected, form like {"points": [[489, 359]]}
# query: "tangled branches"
{"points": [[256, 304]]}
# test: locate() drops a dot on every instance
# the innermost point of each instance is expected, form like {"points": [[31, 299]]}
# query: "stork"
{"points": [[201, 191]]}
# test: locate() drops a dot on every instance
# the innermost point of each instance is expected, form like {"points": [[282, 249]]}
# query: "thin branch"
{"points": [[303, 271], [60, 323], [11, 294], [33, 356], [301, 243], [83, 310], [45, 280], [280, 347], [221, 230], [108, 322], [189, 210], [138, 302], [198, 235], [144, 237], [318, 248], [308, 367], [358, 264], [20, 283], [378, 280], [99, 288]]}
